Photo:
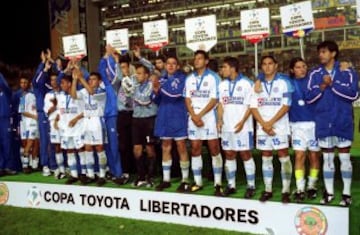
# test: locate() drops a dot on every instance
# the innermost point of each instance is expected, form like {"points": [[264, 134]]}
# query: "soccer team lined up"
{"points": [[93, 123]]}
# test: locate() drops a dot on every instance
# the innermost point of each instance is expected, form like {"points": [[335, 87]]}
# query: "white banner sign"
{"points": [[255, 24], [201, 33], [74, 46], [358, 10], [118, 38], [193, 210], [297, 16], [156, 34]]}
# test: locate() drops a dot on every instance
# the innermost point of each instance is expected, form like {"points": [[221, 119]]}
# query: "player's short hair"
{"points": [[124, 59], [161, 57], [146, 69], [172, 57], [25, 74], [202, 52], [292, 64], [268, 57], [330, 45], [232, 62], [96, 74], [67, 78]]}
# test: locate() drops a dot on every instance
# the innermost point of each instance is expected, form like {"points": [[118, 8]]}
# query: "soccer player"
{"points": [[41, 86], [332, 91], [171, 122], [270, 109], [29, 126], [109, 70], [69, 121], [201, 98], [94, 99], [302, 124], [143, 127], [50, 103], [236, 124]]}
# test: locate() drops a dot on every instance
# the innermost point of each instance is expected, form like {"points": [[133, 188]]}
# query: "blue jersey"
{"points": [[171, 120], [108, 70], [5, 97], [333, 106], [41, 86], [300, 111]]}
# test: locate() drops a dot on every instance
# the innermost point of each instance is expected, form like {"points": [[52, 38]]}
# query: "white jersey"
{"points": [[201, 89], [68, 109], [235, 97], [49, 104], [28, 105], [94, 104], [270, 100]]}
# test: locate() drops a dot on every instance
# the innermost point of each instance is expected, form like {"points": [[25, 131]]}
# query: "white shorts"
{"points": [[54, 134], [276, 142], [94, 132], [237, 141], [206, 132], [303, 136], [72, 142], [29, 130], [334, 141]]}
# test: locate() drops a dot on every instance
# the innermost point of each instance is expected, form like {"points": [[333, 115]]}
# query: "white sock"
{"points": [[346, 172], [217, 164], [102, 164], [60, 162], [184, 165], [166, 166], [35, 162], [72, 164], [25, 161], [196, 166], [230, 170], [90, 161], [286, 173], [328, 172], [249, 166], [268, 171], [82, 158]]}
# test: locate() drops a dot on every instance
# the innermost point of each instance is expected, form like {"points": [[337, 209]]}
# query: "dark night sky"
{"points": [[25, 32]]}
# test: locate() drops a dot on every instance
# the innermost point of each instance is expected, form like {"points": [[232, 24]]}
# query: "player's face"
{"points": [[171, 66], [300, 69], [200, 62], [125, 69], [65, 85], [226, 70], [94, 81], [24, 84], [53, 82], [141, 75], [269, 67], [159, 64], [325, 56]]}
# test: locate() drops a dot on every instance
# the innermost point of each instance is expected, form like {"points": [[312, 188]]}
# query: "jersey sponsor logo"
{"points": [[200, 94], [276, 89], [71, 110], [91, 106], [233, 100], [273, 101], [206, 83], [311, 220]]}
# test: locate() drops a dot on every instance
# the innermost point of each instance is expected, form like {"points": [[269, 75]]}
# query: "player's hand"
{"points": [[136, 51], [58, 64], [327, 80], [323, 86], [197, 120], [54, 101], [42, 56], [257, 86], [48, 56], [155, 83], [56, 126], [239, 127], [47, 66], [73, 122], [77, 74]]}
